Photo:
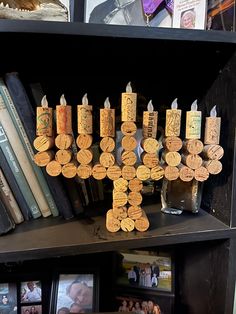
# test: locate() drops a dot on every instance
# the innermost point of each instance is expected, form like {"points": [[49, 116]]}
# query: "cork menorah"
{"points": [[186, 160]]}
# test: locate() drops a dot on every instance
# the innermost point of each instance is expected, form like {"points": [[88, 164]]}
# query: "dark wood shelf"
{"points": [[52, 237], [116, 31]]}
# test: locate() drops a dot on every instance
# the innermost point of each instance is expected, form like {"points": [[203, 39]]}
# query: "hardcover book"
{"points": [[17, 172], [46, 199], [189, 14]]}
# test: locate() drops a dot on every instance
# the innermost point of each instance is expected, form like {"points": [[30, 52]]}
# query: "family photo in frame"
{"points": [[145, 270], [74, 293]]}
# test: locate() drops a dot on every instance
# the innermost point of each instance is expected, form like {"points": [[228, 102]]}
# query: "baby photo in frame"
{"points": [[145, 270], [75, 292], [8, 298]]}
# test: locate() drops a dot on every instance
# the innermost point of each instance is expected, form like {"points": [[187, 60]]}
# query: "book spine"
{"points": [[9, 174], [23, 113], [9, 199], [6, 222], [18, 173], [26, 167]]}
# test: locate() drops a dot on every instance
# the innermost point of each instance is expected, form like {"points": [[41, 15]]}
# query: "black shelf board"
{"points": [[115, 31], [52, 237]]}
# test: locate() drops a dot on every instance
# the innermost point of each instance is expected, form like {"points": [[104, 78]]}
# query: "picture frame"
{"points": [[75, 289], [8, 297], [33, 308], [30, 291], [145, 270], [126, 12], [146, 302]]}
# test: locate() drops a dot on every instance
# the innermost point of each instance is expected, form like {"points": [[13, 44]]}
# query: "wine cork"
{"points": [[85, 119], [150, 145], [107, 159], [213, 166], [63, 141], [128, 143], [171, 173], [193, 146], [99, 172], [142, 223], [63, 119], [107, 122], [63, 156], [150, 124], [84, 171], [127, 224], [112, 223], [212, 130], [213, 152], [150, 160], [84, 156], [119, 198], [43, 158], [114, 172], [185, 173], [84, 141], [172, 158], [69, 170], [128, 172], [44, 121], [193, 124], [129, 158], [128, 106], [43, 143], [173, 122], [201, 174], [172, 143], [53, 168], [134, 212], [192, 161], [128, 128], [107, 144], [157, 173], [143, 173], [135, 185], [120, 185], [120, 212], [135, 198]]}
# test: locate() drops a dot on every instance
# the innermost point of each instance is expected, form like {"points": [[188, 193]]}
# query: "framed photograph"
{"points": [[144, 303], [145, 270], [75, 292], [31, 309], [127, 12], [31, 291], [8, 298]]}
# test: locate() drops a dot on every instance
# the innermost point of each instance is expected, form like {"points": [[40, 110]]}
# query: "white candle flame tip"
{"points": [[107, 104], [44, 102], [150, 106], [174, 104], [194, 106], [63, 100], [85, 99], [213, 112], [128, 88]]}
